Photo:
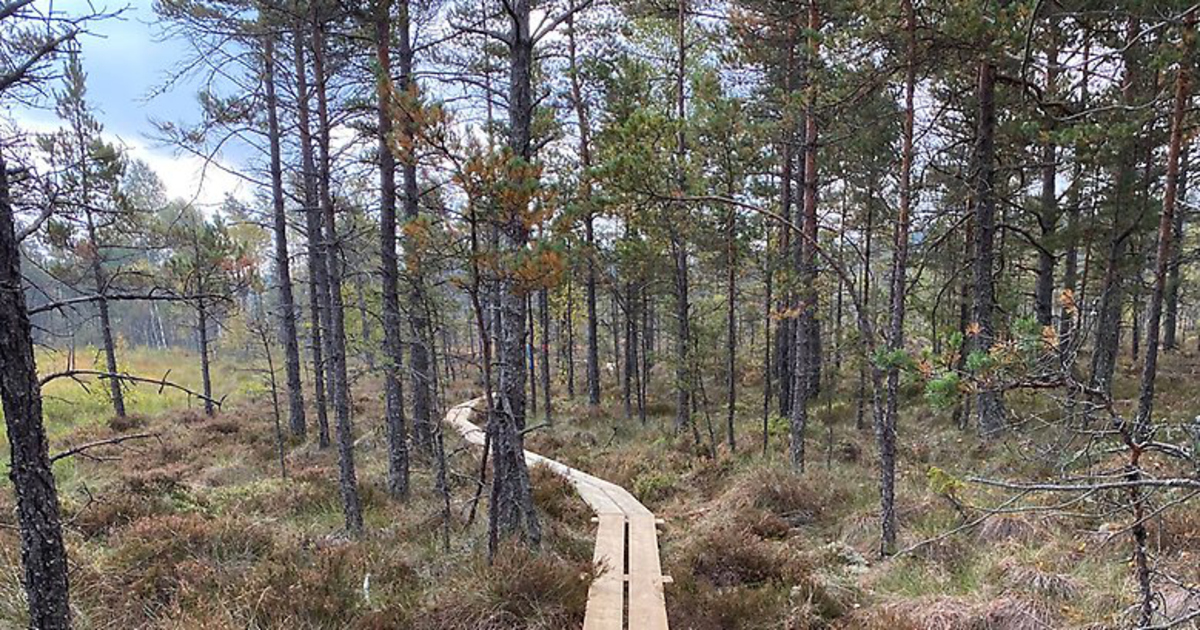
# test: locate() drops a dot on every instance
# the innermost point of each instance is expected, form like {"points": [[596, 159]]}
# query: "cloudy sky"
{"points": [[125, 61]]}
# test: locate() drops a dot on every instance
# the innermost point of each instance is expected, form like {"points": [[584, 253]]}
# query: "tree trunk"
{"points": [[807, 351], [318, 284], [544, 338], [116, 388], [1174, 279], [1043, 293], [989, 404], [1108, 325], [205, 371], [567, 339], [419, 359], [283, 274], [348, 482], [43, 555], [886, 429], [679, 254], [585, 159], [393, 341], [511, 511], [731, 325]]}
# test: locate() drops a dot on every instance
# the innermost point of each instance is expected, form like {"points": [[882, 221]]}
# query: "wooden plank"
{"points": [[647, 604], [615, 507], [605, 605]]}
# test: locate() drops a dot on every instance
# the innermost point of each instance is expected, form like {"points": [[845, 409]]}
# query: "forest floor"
{"points": [[195, 528]]}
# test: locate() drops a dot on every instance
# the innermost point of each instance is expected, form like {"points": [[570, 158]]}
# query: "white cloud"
{"points": [[183, 176]]}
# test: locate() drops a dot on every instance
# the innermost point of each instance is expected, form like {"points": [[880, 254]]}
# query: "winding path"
{"points": [[631, 586]]}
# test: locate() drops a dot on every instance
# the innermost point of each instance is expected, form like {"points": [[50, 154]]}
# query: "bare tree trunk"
{"points": [[585, 159], [769, 276], [511, 510], [679, 252], [1043, 293], [1069, 312], [287, 304], [731, 325], [861, 399], [886, 429], [532, 355], [318, 285], [1174, 278], [567, 339], [419, 359], [116, 391], [544, 339], [393, 341], [1143, 426], [1108, 327], [205, 371], [990, 405], [348, 481], [43, 555], [808, 356]]}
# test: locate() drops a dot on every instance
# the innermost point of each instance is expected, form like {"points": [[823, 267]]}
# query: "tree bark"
{"points": [[989, 404], [1048, 215], [419, 353], [679, 252], [318, 284], [116, 389], [393, 341], [886, 429], [348, 482], [511, 511], [205, 367], [543, 299], [43, 555], [1174, 278], [1108, 325], [283, 274], [585, 159], [807, 351]]}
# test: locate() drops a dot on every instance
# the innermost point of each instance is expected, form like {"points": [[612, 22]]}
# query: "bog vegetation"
{"points": [[886, 308]]}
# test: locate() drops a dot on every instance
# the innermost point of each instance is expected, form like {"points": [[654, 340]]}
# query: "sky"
{"points": [[125, 62]]}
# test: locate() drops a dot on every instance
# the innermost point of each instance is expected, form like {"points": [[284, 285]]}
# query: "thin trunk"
{"points": [[43, 555], [393, 340], [1174, 278], [529, 350], [1108, 326], [544, 325], [990, 405], [808, 357], [731, 325], [318, 287], [287, 304], [569, 324], [419, 359], [886, 429], [769, 273], [1043, 293], [116, 389], [205, 368], [1143, 426], [585, 159], [678, 244], [1069, 312], [511, 511], [348, 481]]}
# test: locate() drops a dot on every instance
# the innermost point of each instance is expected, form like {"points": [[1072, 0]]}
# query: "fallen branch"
{"points": [[83, 448], [162, 382]]}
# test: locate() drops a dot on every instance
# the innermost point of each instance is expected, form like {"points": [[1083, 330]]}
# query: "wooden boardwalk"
{"points": [[631, 583]]}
